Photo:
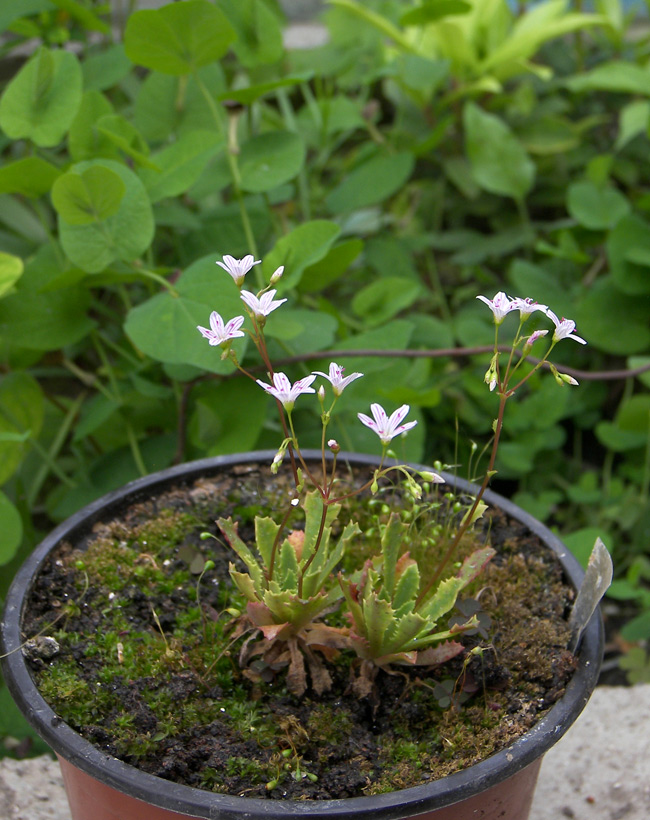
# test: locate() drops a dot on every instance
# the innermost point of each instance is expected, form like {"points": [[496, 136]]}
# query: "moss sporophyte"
{"points": [[343, 581]]}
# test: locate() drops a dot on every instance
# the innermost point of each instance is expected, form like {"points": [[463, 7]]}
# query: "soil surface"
{"points": [[136, 645]]}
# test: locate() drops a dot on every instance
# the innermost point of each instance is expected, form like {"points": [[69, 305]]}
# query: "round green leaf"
{"points": [[596, 207], [11, 269], [37, 317], [21, 417], [162, 108], [628, 250], [42, 99], [164, 327], [304, 246], [178, 38], [371, 183], [270, 160], [180, 164], [259, 35], [124, 234], [384, 298], [84, 140], [613, 321], [88, 197], [31, 176], [11, 527], [499, 161]]}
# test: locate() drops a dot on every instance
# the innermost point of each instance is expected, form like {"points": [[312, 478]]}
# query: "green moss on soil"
{"points": [[153, 678]]}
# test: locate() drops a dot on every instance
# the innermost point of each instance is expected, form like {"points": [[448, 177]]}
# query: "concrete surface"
{"points": [[599, 771]]}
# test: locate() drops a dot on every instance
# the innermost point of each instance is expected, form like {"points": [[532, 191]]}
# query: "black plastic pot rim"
{"points": [[204, 804]]}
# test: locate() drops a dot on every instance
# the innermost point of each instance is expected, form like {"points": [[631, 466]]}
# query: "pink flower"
{"points": [[526, 306], [220, 332], [262, 306], [538, 334], [564, 329], [500, 306], [238, 268], [285, 392], [336, 378], [385, 427]]}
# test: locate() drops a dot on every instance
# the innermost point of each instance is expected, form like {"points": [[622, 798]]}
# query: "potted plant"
{"points": [[327, 639]]}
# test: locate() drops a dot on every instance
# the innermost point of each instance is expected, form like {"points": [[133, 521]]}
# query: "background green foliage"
{"points": [[427, 153]]}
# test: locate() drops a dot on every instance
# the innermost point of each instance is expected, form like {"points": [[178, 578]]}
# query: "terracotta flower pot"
{"points": [[100, 787]]}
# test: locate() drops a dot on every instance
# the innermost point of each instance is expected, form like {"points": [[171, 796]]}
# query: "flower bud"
{"points": [[334, 445], [321, 394], [277, 275]]}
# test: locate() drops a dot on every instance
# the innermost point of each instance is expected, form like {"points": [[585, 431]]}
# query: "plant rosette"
{"points": [[100, 784], [354, 635]]}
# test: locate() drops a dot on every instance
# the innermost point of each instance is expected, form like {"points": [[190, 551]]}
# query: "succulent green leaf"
{"points": [[406, 589], [179, 37], [287, 571], [350, 532], [42, 99], [288, 608], [474, 564], [266, 531], [244, 584], [391, 543], [377, 616], [88, 197], [313, 507], [404, 630], [442, 601], [228, 528]]}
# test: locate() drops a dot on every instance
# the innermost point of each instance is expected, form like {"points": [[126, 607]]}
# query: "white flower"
{"points": [[220, 332], [526, 306], [264, 305], [500, 306], [336, 378], [238, 268], [564, 329], [385, 427], [284, 391]]}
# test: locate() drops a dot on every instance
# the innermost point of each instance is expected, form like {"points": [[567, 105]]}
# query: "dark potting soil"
{"points": [[145, 660]]}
